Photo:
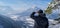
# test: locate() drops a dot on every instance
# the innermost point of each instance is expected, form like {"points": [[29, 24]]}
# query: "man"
{"points": [[40, 21]]}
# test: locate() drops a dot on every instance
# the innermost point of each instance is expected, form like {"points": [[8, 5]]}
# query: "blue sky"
{"points": [[22, 5]]}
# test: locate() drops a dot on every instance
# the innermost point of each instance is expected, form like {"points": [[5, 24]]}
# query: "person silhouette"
{"points": [[41, 20]]}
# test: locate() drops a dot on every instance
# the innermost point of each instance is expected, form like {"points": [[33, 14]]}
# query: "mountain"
{"points": [[53, 9], [28, 11], [54, 6], [5, 9], [28, 22], [7, 22]]}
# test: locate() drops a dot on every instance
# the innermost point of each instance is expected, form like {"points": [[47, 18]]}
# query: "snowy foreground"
{"points": [[27, 22], [30, 22]]}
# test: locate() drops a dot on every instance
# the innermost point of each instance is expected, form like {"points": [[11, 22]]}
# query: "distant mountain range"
{"points": [[5, 9], [30, 10]]}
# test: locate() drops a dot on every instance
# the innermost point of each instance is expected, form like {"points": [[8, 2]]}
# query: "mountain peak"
{"points": [[29, 11]]}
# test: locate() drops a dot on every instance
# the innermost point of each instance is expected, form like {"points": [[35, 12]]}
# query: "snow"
{"points": [[27, 22], [30, 22]]}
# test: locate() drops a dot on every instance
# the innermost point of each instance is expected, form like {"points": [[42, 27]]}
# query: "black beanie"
{"points": [[40, 11]]}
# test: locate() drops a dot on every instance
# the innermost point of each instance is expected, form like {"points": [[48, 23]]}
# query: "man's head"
{"points": [[40, 11]]}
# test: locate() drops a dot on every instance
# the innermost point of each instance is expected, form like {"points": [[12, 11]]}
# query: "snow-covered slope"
{"points": [[53, 16], [6, 22], [23, 22], [26, 21]]}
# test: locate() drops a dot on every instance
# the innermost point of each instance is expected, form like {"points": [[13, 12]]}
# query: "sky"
{"points": [[21, 5]]}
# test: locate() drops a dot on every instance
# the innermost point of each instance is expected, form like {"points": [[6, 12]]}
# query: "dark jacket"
{"points": [[40, 21]]}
